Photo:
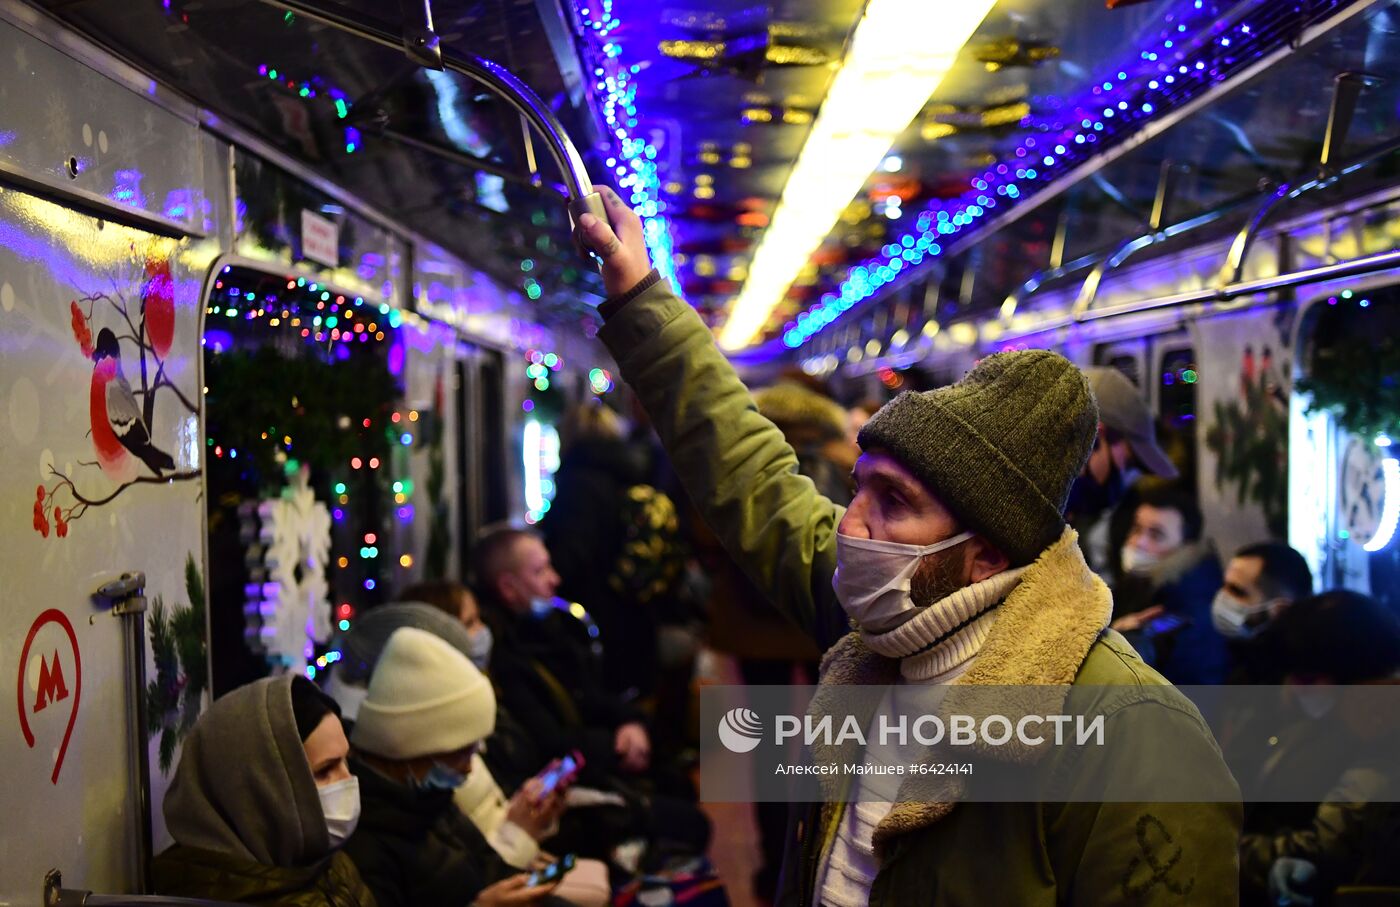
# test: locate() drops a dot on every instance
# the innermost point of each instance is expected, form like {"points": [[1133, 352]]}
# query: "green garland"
{"points": [[181, 654], [1359, 387], [1249, 437], [259, 398]]}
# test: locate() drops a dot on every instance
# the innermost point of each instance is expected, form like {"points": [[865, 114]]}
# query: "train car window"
{"points": [[303, 384], [469, 486], [495, 488], [1177, 394], [1127, 363]]}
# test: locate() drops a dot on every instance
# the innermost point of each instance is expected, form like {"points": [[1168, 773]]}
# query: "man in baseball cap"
{"points": [[953, 563], [1125, 448]]}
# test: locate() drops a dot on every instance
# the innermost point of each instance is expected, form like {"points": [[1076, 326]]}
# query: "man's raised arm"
{"points": [[734, 463]]}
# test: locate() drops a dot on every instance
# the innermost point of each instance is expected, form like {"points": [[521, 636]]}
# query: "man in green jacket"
{"points": [[953, 564]]}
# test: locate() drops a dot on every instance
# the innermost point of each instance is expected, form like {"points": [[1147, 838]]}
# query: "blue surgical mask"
{"points": [[440, 777], [480, 651]]}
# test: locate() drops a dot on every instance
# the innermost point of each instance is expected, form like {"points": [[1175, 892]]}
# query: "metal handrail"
{"points": [[73, 897], [1036, 280], [55, 895], [1233, 269], [1368, 264], [1090, 290], [582, 197]]}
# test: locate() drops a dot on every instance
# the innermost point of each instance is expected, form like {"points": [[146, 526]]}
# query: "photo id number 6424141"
{"points": [[940, 768]]}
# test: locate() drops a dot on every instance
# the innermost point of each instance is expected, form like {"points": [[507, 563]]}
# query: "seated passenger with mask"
{"points": [[1163, 600], [419, 727], [1262, 581], [261, 802], [515, 825]]}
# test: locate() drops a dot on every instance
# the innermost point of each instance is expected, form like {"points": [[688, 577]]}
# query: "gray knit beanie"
{"points": [[1000, 448]]}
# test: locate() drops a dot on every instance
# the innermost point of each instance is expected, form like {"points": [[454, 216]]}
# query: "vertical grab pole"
{"points": [[127, 594]]}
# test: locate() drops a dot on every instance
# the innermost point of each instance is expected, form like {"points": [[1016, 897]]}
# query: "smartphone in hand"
{"points": [[551, 873], [566, 770]]}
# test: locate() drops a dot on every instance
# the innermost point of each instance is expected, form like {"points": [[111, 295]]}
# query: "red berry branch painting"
{"points": [[122, 416]]}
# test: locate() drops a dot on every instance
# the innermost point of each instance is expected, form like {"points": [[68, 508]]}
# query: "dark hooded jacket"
{"points": [[245, 814]]}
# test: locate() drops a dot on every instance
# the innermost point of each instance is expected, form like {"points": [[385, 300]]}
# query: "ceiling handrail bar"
{"points": [[1089, 292], [1355, 267], [1233, 269], [583, 199], [1042, 276]]}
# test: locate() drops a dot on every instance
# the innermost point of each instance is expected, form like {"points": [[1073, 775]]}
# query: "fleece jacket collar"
{"points": [[1042, 634]]}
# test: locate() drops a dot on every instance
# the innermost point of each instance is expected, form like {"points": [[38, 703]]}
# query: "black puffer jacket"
{"points": [[415, 847], [548, 680]]}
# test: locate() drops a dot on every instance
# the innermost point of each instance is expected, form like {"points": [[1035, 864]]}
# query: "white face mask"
{"points": [[1135, 560], [872, 578], [1231, 617], [340, 803]]}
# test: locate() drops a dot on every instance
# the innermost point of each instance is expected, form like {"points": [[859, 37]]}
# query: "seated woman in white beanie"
{"points": [[418, 729], [513, 825]]}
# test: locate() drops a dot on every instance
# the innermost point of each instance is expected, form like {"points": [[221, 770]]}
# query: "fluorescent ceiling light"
{"points": [[901, 51]]}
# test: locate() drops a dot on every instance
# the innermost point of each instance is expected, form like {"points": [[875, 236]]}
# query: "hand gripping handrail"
{"points": [[419, 42]]}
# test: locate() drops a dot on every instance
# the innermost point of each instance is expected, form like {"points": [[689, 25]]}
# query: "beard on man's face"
{"points": [[938, 576]]}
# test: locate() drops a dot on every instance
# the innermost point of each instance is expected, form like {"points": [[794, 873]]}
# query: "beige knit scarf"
{"points": [[946, 635]]}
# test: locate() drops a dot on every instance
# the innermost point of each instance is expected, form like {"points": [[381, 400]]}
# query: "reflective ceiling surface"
{"points": [[726, 92]]}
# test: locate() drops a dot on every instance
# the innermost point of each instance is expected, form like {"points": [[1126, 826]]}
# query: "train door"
{"points": [[1345, 483], [498, 491], [109, 214]]}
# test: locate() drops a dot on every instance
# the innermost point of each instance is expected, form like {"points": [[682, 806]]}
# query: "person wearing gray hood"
{"points": [[261, 801]]}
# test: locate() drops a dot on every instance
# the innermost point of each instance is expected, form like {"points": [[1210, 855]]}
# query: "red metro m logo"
{"points": [[51, 686]]}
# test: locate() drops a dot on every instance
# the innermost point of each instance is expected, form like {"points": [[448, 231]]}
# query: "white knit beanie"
{"points": [[424, 698]]}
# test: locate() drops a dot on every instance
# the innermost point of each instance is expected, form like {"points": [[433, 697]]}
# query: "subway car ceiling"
{"points": [[1060, 130], [427, 149]]}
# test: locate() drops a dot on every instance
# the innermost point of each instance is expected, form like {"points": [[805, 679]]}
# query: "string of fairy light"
{"points": [[1191, 53], [335, 322], [634, 162], [333, 317]]}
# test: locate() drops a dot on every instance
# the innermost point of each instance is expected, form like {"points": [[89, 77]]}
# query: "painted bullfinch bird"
{"points": [[118, 431]]}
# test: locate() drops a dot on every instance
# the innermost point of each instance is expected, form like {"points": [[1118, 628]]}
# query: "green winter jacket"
{"points": [[191, 872], [1051, 630]]}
